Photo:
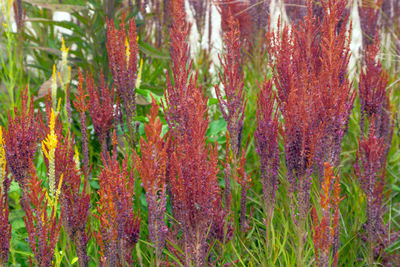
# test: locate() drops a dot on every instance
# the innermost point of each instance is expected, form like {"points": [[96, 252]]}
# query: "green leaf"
{"points": [[94, 184], [74, 260], [64, 24], [396, 188], [216, 127], [14, 187], [17, 224], [395, 246], [151, 51], [67, 6], [212, 101]]}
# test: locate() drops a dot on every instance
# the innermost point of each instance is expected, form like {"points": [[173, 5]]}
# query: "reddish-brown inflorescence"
{"points": [[152, 167], [20, 140], [374, 97], [192, 170], [267, 145], [296, 64], [184, 85], [370, 171], [372, 86], [240, 11], [43, 228], [315, 56], [234, 105], [370, 11], [5, 229], [326, 230], [81, 104], [119, 224], [333, 89], [101, 109], [314, 96], [122, 51]]}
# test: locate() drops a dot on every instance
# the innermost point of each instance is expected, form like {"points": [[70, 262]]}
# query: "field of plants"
{"points": [[126, 142]]}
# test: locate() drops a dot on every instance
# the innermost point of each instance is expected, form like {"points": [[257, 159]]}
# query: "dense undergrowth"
{"points": [[122, 145]]}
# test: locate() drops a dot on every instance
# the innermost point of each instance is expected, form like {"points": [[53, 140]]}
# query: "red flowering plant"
{"points": [[152, 167], [370, 171], [192, 170], [333, 88], [101, 109], [234, 103], [267, 147], [20, 141], [119, 223], [122, 49], [374, 97], [296, 61], [81, 104], [239, 12]]}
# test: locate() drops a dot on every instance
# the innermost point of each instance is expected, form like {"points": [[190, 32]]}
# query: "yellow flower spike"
{"points": [[3, 161], [63, 48], [128, 52], [76, 159], [59, 185], [60, 78], [58, 106], [55, 200], [49, 146], [49, 200], [54, 87], [139, 76]]}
